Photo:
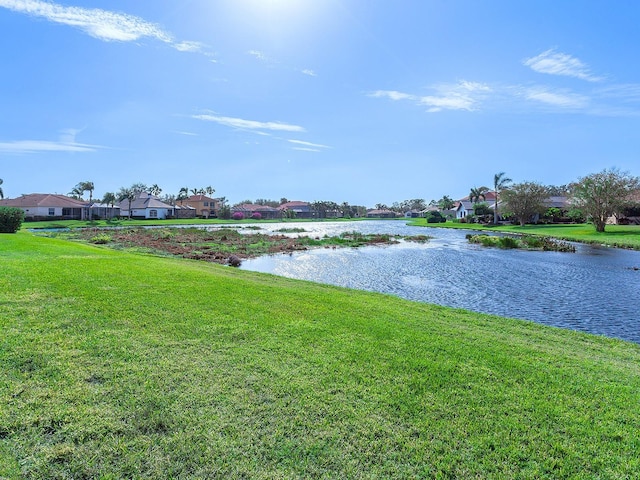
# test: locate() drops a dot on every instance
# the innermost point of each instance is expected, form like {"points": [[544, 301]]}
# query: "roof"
{"points": [[199, 198], [43, 200], [251, 207], [557, 202], [142, 201], [293, 204]]}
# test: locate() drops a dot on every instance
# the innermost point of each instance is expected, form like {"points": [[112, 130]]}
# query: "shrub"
{"points": [[256, 216], [576, 215], [238, 216], [508, 242], [435, 217], [101, 238], [10, 219]]}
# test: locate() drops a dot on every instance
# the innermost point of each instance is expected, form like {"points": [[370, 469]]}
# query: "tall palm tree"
{"points": [[1, 192], [500, 182], [210, 190], [155, 190], [183, 193], [109, 199], [127, 194], [478, 194]]}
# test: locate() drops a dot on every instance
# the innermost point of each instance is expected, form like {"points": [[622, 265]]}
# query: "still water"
{"points": [[595, 290]]}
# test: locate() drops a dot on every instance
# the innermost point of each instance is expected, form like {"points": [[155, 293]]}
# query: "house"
{"points": [[300, 209], [204, 206], [45, 206], [249, 209], [103, 210], [184, 211], [464, 206], [413, 214], [381, 213], [146, 206]]}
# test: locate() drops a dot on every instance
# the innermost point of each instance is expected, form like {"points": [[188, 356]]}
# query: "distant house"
{"points": [[413, 214], [184, 211], [300, 209], [249, 209], [204, 206], [381, 213], [146, 206], [46, 206], [464, 207], [103, 211]]}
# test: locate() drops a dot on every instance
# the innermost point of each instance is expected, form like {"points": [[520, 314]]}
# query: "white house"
{"points": [[146, 206]]}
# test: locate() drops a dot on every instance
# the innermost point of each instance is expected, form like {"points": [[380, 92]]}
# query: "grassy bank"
{"points": [[624, 236], [116, 365]]}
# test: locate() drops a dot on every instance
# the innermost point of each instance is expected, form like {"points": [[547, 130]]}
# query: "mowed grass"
{"points": [[624, 236], [118, 365]]}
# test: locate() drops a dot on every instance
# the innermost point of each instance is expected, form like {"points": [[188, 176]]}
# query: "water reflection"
{"points": [[593, 290]]}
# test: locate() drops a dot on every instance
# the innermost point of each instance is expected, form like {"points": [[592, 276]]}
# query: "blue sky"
{"points": [[363, 101]]}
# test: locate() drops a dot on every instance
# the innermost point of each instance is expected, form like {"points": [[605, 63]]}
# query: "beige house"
{"points": [[45, 206], [205, 206]]}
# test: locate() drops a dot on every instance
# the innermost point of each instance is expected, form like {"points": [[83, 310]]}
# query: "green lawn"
{"points": [[116, 365], [625, 236]]}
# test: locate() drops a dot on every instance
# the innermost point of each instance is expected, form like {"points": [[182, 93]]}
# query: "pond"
{"points": [[594, 290]]}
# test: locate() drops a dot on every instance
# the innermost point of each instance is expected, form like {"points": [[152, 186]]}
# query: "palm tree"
{"points": [[500, 182], [109, 199], [155, 190], [88, 187], [1, 192], [127, 194], [183, 193], [478, 194], [210, 190]]}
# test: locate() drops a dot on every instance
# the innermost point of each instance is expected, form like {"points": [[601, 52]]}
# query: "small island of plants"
{"points": [[529, 242]]}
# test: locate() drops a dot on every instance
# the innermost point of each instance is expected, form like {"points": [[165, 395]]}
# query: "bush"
{"points": [[10, 219], [576, 215], [256, 216], [435, 217], [238, 216], [100, 239]]}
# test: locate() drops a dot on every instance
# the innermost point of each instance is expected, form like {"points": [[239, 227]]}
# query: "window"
{"points": [[52, 212], [206, 204], [153, 213]]}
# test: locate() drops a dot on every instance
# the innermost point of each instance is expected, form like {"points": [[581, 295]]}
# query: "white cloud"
{"points": [[556, 98], [258, 54], [309, 72], [36, 146], [101, 24], [463, 95], [249, 124], [558, 63], [306, 149], [189, 134], [308, 144], [392, 94]]}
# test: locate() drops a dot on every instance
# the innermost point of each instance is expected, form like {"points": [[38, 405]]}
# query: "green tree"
{"points": [[500, 182], [445, 203], [600, 195], [80, 188], [109, 198], [183, 194], [128, 194], [155, 190], [1, 192], [525, 200], [478, 194]]}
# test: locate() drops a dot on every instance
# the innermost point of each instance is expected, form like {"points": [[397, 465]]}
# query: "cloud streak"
{"points": [[553, 62], [101, 24], [463, 95], [38, 146], [249, 124], [308, 144]]}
